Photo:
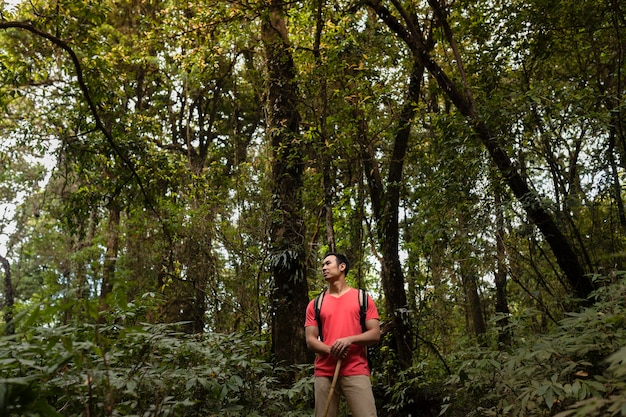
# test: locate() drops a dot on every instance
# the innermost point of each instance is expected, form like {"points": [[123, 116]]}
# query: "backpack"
{"points": [[362, 304]]}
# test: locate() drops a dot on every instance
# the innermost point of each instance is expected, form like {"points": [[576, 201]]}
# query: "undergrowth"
{"points": [[577, 369], [148, 370], [85, 369]]}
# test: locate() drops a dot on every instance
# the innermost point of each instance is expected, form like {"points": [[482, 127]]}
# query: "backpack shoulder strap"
{"points": [[318, 306], [363, 300], [363, 304]]}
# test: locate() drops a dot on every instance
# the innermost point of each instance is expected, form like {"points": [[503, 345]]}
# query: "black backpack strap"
{"points": [[363, 305], [363, 300], [318, 306]]}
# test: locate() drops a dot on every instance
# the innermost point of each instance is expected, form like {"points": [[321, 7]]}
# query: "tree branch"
{"points": [[92, 108]]}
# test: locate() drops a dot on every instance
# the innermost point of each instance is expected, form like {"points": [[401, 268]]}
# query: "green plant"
{"points": [[546, 374], [151, 369]]}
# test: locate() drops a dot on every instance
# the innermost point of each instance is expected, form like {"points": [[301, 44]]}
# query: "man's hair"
{"points": [[341, 259]]}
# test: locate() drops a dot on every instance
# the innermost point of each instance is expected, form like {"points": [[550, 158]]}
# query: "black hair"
{"points": [[341, 259]]}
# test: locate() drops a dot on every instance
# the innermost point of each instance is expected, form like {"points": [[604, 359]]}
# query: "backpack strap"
{"points": [[363, 304], [363, 300], [318, 307]]}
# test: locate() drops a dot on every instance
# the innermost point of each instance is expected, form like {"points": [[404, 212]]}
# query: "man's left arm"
{"points": [[371, 336]]}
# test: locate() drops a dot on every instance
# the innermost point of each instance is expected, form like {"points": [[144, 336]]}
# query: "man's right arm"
{"points": [[312, 341]]}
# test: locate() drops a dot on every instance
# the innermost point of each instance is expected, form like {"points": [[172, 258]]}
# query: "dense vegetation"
{"points": [[173, 173]]}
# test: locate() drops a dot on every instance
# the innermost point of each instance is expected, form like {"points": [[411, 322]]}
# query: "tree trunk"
{"points": [[9, 297], [110, 259], [290, 289], [615, 181], [500, 277], [470, 284], [193, 291], [327, 177], [469, 281], [385, 205], [562, 248]]}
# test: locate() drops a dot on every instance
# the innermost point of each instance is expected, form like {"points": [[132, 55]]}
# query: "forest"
{"points": [[173, 173]]}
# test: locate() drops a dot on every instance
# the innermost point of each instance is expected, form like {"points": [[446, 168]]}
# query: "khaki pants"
{"points": [[356, 389]]}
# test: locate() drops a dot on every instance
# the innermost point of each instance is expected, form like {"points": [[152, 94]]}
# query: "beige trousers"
{"points": [[356, 389]]}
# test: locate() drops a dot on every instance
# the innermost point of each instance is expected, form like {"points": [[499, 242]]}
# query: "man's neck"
{"points": [[338, 288]]}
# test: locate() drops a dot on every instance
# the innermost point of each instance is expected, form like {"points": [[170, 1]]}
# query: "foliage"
{"points": [[413, 391], [149, 369], [579, 364]]}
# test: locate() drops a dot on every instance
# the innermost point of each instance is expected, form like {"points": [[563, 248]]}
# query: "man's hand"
{"points": [[340, 347]]}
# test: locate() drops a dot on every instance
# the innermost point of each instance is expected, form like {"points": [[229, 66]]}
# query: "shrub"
{"points": [[547, 374], [145, 370]]}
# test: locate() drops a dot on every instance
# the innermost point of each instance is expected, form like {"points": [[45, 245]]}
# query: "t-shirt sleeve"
{"points": [[310, 315], [372, 311]]}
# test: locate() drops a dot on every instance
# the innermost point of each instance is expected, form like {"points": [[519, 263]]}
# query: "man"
{"points": [[343, 338]]}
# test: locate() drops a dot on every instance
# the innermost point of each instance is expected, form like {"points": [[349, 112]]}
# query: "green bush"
{"points": [[147, 370], [577, 369]]}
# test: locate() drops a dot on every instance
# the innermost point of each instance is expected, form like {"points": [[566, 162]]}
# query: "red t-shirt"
{"points": [[341, 317]]}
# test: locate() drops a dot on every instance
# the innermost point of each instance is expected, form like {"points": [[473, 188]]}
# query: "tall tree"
{"points": [[290, 289], [500, 273], [324, 156], [9, 297], [385, 205]]}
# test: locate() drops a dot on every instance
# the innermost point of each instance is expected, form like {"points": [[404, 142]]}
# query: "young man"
{"points": [[343, 338]]}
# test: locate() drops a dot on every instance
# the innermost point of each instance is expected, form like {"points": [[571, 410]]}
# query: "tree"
{"points": [[9, 297], [290, 289], [385, 204]]}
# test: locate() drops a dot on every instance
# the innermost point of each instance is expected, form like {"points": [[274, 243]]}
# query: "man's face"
{"points": [[331, 267]]}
